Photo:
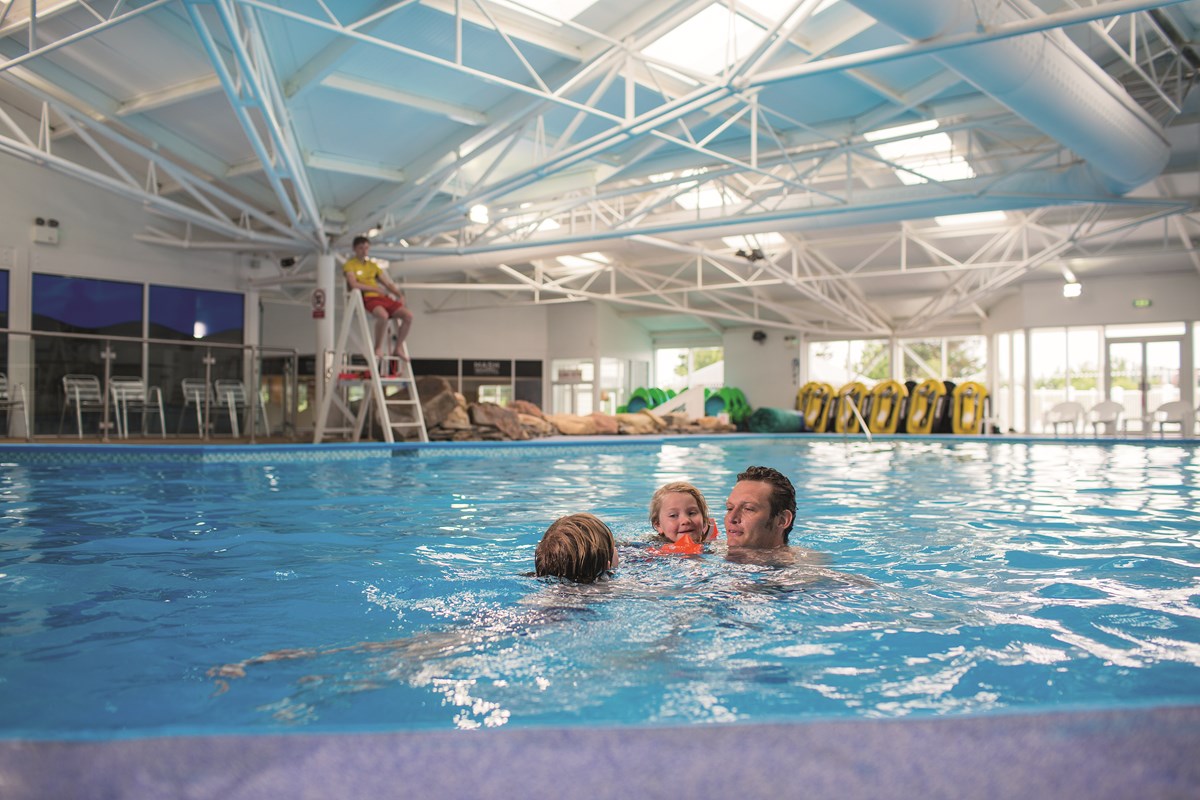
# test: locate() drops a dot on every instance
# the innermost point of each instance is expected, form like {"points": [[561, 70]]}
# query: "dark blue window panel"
{"points": [[174, 313], [85, 305], [3, 291]]}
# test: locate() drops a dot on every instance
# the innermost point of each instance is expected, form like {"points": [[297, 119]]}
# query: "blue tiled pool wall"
{"points": [[68, 454]]}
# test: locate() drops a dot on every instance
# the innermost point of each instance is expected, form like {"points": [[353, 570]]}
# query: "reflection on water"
{"points": [[926, 578]]}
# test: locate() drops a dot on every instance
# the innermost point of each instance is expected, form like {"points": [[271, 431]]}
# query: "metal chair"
{"points": [[130, 394], [8, 403], [1068, 413], [231, 396], [1105, 417], [195, 394], [83, 393]]}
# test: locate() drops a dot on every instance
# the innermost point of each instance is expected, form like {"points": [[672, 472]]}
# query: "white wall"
{"points": [[486, 332], [763, 371], [621, 338], [96, 230], [1174, 298], [572, 330]]}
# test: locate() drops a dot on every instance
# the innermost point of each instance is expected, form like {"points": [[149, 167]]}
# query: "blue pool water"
{"points": [[959, 577]]}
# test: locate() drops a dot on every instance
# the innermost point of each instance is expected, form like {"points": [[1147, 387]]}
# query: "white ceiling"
{"points": [[280, 129]]}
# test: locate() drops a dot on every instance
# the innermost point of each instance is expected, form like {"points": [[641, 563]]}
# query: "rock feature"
{"points": [[521, 420], [437, 399], [490, 415]]}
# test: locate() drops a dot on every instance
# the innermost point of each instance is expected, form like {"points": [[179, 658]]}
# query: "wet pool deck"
{"points": [[1147, 754]]}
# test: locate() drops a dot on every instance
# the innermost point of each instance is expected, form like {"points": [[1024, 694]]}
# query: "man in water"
{"points": [[760, 510]]}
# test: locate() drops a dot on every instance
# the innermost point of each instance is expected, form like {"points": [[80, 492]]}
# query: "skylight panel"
{"points": [[754, 240], [924, 158], [586, 262], [561, 10], [710, 195], [708, 42], [775, 10], [975, 218], [901, 130], [955, 168]]}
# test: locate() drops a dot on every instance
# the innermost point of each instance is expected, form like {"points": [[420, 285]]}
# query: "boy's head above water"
{"points": [[577, 547]]}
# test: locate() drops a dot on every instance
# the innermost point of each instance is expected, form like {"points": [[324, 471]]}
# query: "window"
{"points": [[487, 380], [1067, 366], [950, 359], [196, 314], [679, 368], [80, 305], [840, 363], [571, 391], [193, 316], [4, 320]]}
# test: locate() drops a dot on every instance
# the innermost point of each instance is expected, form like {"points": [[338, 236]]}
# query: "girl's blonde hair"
{"points": [[577, 547], [682, 487]]}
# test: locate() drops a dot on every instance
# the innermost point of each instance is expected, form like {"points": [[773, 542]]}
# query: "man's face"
{"points": [[361, 250], [748, 520]]}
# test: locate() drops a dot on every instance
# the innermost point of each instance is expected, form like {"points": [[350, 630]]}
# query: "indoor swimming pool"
{"points": [[149, 592]]}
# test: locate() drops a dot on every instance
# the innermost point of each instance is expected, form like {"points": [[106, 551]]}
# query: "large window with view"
{"points": [[195, 317], [86, 310], [679, 368], [955, 359], [839, 363]]}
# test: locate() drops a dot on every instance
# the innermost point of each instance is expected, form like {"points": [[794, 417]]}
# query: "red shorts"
{"points": [[382, 301]]}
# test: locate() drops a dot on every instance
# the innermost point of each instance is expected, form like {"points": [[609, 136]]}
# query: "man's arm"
{"points": [[391, 287]]}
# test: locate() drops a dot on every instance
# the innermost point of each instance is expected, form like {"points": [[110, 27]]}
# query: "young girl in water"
{"points": [[680, 515]]}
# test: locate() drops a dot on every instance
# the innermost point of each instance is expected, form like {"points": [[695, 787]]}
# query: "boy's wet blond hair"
{"points": [[682, 487], [577, 547]]}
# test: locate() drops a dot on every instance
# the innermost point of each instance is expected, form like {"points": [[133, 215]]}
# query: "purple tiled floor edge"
{"points": [[1144, 753]]}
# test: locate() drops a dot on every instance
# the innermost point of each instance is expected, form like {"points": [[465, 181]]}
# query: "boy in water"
{"points": [[577, 547], [680, 515]]}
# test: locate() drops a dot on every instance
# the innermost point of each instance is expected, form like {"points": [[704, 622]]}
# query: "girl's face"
{"points": [[680, 516]]}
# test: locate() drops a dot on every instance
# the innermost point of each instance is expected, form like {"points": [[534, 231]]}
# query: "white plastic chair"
{"points": [[1105, 417], [1176, 412], [8, 403], [195, 394], [83, 393], [231, 396], [1068, 413], [131, 395]]}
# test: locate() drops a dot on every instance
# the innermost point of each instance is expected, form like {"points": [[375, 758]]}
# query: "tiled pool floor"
{"points": [[1146, 754]]}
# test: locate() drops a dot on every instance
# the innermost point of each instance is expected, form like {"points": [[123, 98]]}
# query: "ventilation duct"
{"points": [[1044, 78]]}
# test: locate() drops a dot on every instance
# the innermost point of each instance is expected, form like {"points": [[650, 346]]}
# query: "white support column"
{"points": [[251, 337], [1028, 381], [1187, 362], [20, 348], [324, 324]]}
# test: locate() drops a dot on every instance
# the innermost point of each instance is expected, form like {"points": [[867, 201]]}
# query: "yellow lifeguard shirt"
{"points": [[365, 272]]}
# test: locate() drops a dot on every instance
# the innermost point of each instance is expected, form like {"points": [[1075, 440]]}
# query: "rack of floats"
{"points": [[931, 406]]}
